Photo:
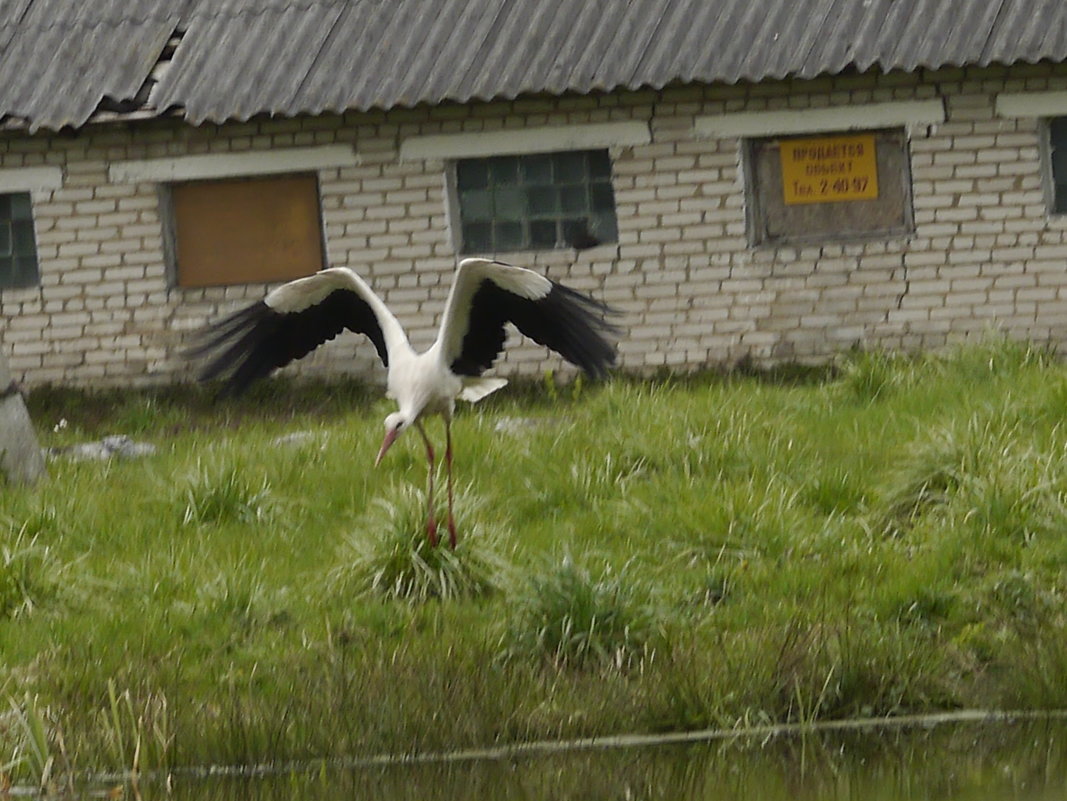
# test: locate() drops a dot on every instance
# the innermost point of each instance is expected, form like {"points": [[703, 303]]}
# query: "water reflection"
{"points": [[965, 761]]}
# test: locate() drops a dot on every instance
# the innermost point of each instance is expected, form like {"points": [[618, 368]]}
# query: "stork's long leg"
{"points": [[448, 473], [431, 522]]}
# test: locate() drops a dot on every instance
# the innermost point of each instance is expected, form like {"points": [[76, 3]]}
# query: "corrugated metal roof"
{"points": [[239, 58], [57, 79], [11, 11], [65, 13], [214, 75]]}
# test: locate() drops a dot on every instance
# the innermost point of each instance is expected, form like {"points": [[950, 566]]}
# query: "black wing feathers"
{"points": [[253, 342], [485, 335], [572, 324]]}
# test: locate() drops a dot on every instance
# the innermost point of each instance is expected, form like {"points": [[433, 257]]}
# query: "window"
{"points": [[535, 202], [1057, 129], [830, 186], [239, 231], [18, 249]]}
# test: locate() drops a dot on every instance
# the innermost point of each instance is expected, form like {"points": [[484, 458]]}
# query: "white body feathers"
{"points": [[423, 381]]}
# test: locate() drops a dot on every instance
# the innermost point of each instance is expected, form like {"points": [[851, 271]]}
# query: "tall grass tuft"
{"points": [[138, 736], [389, 554], [744, 520], [833, 491], [997, 355], [34, 752], [1017, 499], [868, 375], [220, 495], [942, 460], [28, 574], [571, 619]]}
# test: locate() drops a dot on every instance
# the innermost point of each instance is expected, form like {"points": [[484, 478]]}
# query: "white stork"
{"points": [[297, 317]]}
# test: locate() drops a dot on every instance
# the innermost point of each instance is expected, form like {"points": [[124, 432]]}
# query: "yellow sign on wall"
{"points": [[829, 169]]}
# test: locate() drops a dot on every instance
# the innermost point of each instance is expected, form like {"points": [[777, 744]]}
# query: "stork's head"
{"points": [[395, 423]]}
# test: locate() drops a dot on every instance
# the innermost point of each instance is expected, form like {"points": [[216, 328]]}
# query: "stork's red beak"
{"points": [[390, 435]]}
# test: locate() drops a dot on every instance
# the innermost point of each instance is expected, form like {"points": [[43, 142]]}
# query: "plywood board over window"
{"points": [[834, 186], [241, 231]]}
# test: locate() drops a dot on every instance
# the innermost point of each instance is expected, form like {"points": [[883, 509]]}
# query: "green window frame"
{"points": [[542, 201], [18, 246]]}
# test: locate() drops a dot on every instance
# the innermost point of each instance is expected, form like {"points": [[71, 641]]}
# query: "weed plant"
{"points": [[882, 538], [217, 494], [571, 619]]}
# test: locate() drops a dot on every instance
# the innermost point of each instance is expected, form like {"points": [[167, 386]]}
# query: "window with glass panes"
{"points": [[18, 250], [1057, 129], [535, 202]]}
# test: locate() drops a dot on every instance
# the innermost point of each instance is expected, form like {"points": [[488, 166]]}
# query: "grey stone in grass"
{"points": [[121, 445], [118, 445], [296, 438], [20, 455], [516, 425]]}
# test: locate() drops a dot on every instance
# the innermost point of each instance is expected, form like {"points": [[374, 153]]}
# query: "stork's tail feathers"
{"points": [[474, 389]]}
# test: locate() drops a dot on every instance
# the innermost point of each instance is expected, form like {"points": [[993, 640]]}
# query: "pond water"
{"points": [[973, 761]]}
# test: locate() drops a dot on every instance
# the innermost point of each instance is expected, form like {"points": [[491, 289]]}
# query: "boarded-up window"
{"points": [[829, 187], [246, 230]]}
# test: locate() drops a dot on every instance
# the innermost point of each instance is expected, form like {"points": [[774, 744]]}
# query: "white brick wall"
{"points": [[984, 252]]}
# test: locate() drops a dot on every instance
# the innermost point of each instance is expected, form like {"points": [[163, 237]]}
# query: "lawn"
{"points": [[644, 555]]}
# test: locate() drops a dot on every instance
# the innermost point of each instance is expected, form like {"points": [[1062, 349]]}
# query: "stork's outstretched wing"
{"points": [[486, 295], [289, 323]]}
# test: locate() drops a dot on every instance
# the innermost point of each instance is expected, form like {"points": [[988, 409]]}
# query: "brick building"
{"points": [[778, 179]]}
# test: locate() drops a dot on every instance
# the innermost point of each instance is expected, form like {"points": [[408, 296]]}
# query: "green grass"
{"points": [[888, 536]]}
